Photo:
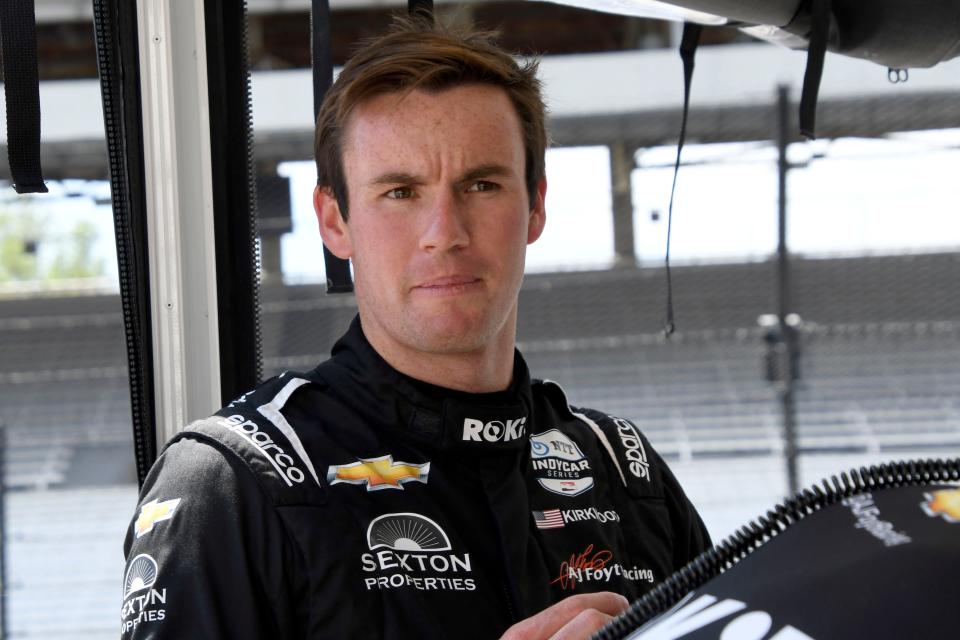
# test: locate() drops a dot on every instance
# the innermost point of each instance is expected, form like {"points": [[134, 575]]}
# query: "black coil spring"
{"points": [[113, 75], [252, 193], [755, 533]]}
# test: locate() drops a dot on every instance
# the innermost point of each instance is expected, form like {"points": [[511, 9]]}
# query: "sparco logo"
{"points": [[634, 450], [493, 431], [410, 550], [249, 431]]}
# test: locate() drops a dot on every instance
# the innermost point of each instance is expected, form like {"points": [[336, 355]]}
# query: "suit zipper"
{"points": [[511, 607]]}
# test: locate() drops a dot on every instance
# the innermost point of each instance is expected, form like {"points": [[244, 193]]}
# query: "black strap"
{"points": [[18, 28], [420, 7], [820, 13], [688, 51], [234, 197], [338, 269]]}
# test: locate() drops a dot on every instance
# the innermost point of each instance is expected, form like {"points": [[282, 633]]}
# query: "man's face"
{"points": [[439, 217]]}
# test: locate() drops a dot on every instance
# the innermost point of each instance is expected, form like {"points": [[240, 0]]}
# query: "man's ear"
{"points": [[333, 229], [538, 213]]}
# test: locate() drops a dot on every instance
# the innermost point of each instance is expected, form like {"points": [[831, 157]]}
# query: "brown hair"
{"points": [[416, 54]]}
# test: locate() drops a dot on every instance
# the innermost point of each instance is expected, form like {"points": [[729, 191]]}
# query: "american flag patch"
{"points": [[550, 519]]}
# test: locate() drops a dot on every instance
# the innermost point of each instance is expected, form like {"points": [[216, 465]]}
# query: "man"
{"points": [[417, 484]]}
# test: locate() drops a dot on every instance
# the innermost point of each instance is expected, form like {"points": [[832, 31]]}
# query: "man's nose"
{"points": [[445, 227]]}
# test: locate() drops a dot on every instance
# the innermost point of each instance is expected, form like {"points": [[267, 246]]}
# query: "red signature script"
{"points": [[587, 562]]}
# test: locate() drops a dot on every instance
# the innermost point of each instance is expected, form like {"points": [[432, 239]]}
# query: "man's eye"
{"points": [[400, 193], [483, 185]]}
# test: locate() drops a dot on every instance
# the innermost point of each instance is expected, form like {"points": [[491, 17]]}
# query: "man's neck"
{"points": [[483, 370]]}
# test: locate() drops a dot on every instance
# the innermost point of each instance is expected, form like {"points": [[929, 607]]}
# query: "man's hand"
{"points": [[573, 618]]}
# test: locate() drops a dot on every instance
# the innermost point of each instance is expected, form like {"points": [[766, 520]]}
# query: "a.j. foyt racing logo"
{"points": [[559, 465], [493, 431], [378, 473], [142, 603], [408, 550], [944, 503], [281, 461], [596, 565]]}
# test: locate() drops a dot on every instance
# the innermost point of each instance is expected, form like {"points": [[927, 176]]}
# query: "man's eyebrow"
{"points": [[395, 177], [487, 171], [475, 173]]}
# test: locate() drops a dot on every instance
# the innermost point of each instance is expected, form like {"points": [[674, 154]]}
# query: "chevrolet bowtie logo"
{"points": [[154, 512], [379, 473]]}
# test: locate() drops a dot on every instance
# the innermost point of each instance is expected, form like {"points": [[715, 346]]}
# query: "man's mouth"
{"points": [[449, 284]]}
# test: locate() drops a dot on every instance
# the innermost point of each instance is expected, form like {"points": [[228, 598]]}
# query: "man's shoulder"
{"points": [[252, 431], [620, 441], [272, 394]]}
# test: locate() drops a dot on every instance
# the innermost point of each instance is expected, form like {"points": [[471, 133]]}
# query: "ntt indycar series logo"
{"points": [[281, 461], [408, 550], [494, 431], [559, 465]]}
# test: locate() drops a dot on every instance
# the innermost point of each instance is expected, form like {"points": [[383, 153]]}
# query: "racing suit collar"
{"points": [[447, 418]]}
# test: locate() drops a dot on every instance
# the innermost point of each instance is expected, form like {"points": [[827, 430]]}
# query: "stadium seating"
{"points": [[879, 373]]}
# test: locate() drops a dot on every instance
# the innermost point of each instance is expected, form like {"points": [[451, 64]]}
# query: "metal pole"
{"points": [[787, 331], [3, 532], [621, 166], [180, 221]]}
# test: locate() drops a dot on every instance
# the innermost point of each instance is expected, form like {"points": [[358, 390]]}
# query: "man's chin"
{"points": [[451, 334]]}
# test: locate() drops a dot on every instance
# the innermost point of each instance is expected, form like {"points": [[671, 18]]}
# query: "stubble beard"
{"points": [[457, 336]]}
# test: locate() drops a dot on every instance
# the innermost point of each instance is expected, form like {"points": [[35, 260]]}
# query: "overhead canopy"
{"points": [[894, 33]]}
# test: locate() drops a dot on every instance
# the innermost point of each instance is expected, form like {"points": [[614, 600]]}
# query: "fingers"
{"points": [[580, 612], [583, 626]]}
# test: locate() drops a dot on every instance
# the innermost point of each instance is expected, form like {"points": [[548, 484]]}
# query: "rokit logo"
{"points": [[249, 431], [411, 550], [559, 465], [556, 518], [633, 449], [141, 602], [691, 615], [494, 431]]}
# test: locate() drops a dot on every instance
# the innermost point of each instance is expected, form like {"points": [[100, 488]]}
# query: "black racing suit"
{"points": [[356, 502]]}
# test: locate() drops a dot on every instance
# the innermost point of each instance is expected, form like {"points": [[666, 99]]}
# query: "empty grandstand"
{"points": [[880, 360]]}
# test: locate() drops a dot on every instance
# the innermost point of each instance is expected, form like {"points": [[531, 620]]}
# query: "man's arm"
{"points": [[645, 474], [691, 537], [205, 552]]}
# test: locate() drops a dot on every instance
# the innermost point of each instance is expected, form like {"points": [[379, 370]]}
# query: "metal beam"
{"points": [[180, 212], [864, 117], [788, 334], [621, 168]]}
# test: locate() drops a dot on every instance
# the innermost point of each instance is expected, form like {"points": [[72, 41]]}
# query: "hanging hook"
{"points": [[897, 76]]}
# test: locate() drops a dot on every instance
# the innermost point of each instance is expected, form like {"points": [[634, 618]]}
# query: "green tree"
{"points": [[75, 259], [20, 234], [23, 232]]}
